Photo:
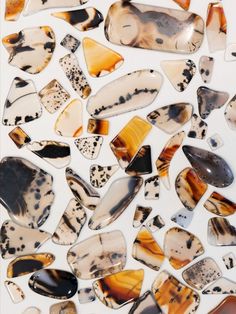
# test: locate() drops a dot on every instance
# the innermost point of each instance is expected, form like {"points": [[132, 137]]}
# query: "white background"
{"points": [[168, 204]]}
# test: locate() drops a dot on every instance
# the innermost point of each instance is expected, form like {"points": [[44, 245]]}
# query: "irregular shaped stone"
{"points": [[229, 260], [22, 104], [132, 91], [152, 188], [98, 127], [198, 128], [70, 43], [32, 310], [13, 9], [27, 264], [202, 273], [128, 24], [19, 137], [123, 191], [172, 117], [209, 100], [53, 96], [155, 223], [215, 142], [221, 286], [206, 65], [70, 224], [230, 113], [183, 217], [126, 144], [220, 205], [216, 27], [184, 4], [100, 175], [140, 215], [70, 121], [225, 306], [26, 191], [17, 240], [181, 247], [31, 49], [220, 232], [165, 157], [83, 192], [141, 164], [83, 19], [190, 188], [54, 283], [173, 296], [15, 292], [146, 304], [66, 307], [230, 52], [75, 75], [89, 147], [98, 255], [86, 295], [119, 289], [210, 167]]}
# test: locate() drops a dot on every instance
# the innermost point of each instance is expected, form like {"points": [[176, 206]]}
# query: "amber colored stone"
{"points": [[220, 205], [184, 4], [19, 137], [100, 127], [13, 9], [227, 306]]}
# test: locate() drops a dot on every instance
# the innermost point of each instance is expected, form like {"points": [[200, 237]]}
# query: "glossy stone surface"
{"points": [[22, 104], [209, 100], [210, 167], [32, 310], [70, 224], [221, 286], [89, 147], [206, 65], [13, 9], [152, 188], [198, 128], [146, 304], [181, 247], [15, 292], [155, 223], [140, 215], [126, 144], [183, 217], [174, 297], [220, 205], [220, 232], [168, 29], [70, 43], [184, 4], [172, 117], [26, 191], [119, 289], [123, 191], [27, 264], [66, 307], [190, 188], [230, 52], [54, 283], [100, 127], [98, 255], [86, 295], [215, 142], [31, 49], [229, 260], [200, 274], [141, 164], [165, 157], [132, 91], [100, 175], [19, 137], [226, 306], [230, 113]]}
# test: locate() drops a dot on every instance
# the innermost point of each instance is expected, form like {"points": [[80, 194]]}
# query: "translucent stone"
{"points": [[89, 147], [155, 223], [13, 9], [230, 52], [206, 65], [221, 286], [229, 260], [15, 292], [184, 4], [230, 113], [220, 205], [70, 43], [152, 188], [66, 307], [198, 128], [183, 217], [100, 175], [32, 310], [220, 232], [141, 164], [146, 304], [140, 215], [19, 137], [86, 295], [100, 127], [215, 142], [226, 306]]}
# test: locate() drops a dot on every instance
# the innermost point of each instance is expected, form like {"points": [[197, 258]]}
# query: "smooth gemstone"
{"points": [[140, 215], [100, 175], [174, 297], [89, 147], [183, 217], [31, 49], [22, 104], [198, 128], [75, 75], [83, 19], [100, 59], [19, 137], [132, 91], [53, 96], [230, 113], [179, 72], [210, 167], [26, 191], [172, 117], [181, 247], [221, 286], [141, 164], [184, 4], [206, 65], [100, 127], [209, 100], [168, 29], [126, 144], [70, 43], [66, 307], [200, 274], [54, 283], [226, 306], [155, 223], [119, 289], [86, 295], [70, 121], [83, 192], [15, 292], [220, 232], [216, 27], [13, 9], [165, 157], [123, 191], [230, 52], [146, 250], [98, 255], [55, 153], [146, 304], [27, 264], [215, 142], [220, 205], [17, 240], [190, 188], [70, 224], [229, 260], [32, 310], [152, 188]]}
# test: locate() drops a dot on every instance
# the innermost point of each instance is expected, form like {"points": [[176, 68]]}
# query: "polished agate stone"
{"points": [[15, 292], [230, 113], [140, 215], [183, 217], [32, 310], [99, 255], [141, 164], [123, 191], [128, 24], [210, 167], [13, 9], [152, 188], [66, 307], [119, 289], [220, 205], [31, 49], [54, 283], [226, 306], [100, 175], [70, 43], [220, 232], [89, 147], [184, 4], [146, 304], [155, 223], [215, 142], [229, 260], [100, 127], [86, 295], [19, 137], [132, 91], [198, 128], [26, 191], [206, 65], [221, 286], [230, 52]]}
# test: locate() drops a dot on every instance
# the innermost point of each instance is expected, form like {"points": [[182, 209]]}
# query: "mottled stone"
{"points": [[66, 307], [220, 205], [86, 295], [13, 9], [70, 43], [146, 304], [100, 127], [183, 217], [141, 164], [230, 52], [221, 286], [206, 65], [155, 223], [19, 137], [230, 113], [226, 306], [140, 215], [198, 128], [89, 147], [215, 142], [229, 260], [220, 232], [100, 175], [15, 292], [152, 188]]}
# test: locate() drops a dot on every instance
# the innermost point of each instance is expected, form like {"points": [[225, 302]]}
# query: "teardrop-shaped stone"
{"points": [[227, 306], [141, 163], [66, 307], [220, 232]]}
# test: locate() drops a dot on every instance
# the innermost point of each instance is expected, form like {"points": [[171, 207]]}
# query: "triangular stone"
{"points": [[100, 175], [142, 162], [89, 147], [13, 9], [184, 4]]}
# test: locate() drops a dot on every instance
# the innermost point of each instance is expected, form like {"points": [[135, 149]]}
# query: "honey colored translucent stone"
{"points": [[184, 4], [227, 306], [100, 127], [119, 289], [19, 137], [13, 9], [220, 205]]}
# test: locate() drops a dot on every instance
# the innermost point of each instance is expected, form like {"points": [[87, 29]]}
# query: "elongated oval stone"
{"points": [[226, 306], [130, 92], [220, 232], [99, 255], [54, 283], [66, 307], [221, 286], [210, 167]]}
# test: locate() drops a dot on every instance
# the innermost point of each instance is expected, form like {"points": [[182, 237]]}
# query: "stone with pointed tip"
{"points": [[32, 310], [229, 260], [152, 188], [100, 175], [19, 137], [13, 9], [184, 4], [89, 147], [183, 217], [141, 164], [86, 295], [226, 306], [206, 65], [155, 223], [146, 304], [215, 142], [15, 292], [198, 128], [70, 43], [230, 52], [140, 215], [220, 232], [221, 286], [66, 307], [230, 113]]}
